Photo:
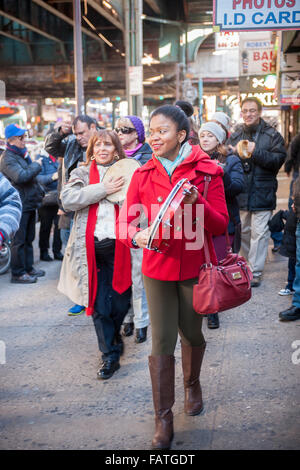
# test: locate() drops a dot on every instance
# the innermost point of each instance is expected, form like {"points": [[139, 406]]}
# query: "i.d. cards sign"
{"points": [[249, 15]]}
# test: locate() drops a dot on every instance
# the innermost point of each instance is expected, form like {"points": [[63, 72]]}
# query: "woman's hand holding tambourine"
{"points": [[112, 185], [141, 238], [191, 196]]}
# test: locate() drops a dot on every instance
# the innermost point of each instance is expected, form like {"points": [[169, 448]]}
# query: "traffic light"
{"points": [[99, 79]]}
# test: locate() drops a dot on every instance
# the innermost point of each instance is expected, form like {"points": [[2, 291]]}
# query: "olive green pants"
{"points": [[170, 305]]}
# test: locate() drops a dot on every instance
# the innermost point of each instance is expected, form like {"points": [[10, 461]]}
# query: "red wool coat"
{"points": [[150, 185]]}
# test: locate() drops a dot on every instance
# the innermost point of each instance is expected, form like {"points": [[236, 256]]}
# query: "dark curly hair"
{"points": [[179, 114]]}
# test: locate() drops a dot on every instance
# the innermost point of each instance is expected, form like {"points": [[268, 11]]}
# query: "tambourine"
{"points": [[242, 149], [159, 237], [125, 168]]}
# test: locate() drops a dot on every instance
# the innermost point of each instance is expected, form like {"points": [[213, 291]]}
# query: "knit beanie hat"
{"points": [[139, 127], [222, 118], [215, 129]]}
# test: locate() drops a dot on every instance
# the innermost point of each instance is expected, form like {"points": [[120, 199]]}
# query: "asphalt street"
{"points": [[50, 397]]}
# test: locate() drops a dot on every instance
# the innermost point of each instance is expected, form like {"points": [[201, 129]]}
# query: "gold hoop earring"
{"points": [[93, 158], [117, 157]]}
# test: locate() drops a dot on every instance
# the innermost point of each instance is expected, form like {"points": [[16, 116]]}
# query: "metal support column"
{"points": [[177, 74], [40, 123], [139, 51], [78, 64], [200, 92], [133, 38]]}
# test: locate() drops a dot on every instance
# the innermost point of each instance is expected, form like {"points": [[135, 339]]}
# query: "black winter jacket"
{"points": [[66, 147], [261, 169], [48, 169], [234, 184], [288, 245], [276, 224], [143, 154], [292, 162], [22, 175]]}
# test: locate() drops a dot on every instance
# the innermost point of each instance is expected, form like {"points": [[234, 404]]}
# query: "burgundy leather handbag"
{"points": [[224, 286]]}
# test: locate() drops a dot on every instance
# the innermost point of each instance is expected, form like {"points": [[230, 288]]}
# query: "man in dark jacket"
{"points": [[18, 168], [264, 155], [72, 146], [48, 212]]}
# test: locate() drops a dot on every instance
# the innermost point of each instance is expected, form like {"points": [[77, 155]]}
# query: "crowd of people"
{"points": [[117, 279]]}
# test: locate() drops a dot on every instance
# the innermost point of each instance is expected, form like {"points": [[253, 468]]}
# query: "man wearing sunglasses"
{"points": [[19, 169]]}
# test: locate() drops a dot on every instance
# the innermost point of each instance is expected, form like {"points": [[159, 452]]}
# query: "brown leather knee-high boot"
{"points": [[192, 357], [162, 372]]}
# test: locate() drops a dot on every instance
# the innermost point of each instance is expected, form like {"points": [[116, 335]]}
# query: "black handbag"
{"points": [[50, 199], [105, 246]]}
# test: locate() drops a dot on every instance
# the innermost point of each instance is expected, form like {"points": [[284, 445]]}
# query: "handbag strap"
{"points": [[207, 180]]}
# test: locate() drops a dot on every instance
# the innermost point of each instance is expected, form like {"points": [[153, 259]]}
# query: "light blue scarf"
{"points": [[170, 165]]}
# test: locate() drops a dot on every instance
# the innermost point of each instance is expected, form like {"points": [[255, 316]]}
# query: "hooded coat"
{"points": [[150, 186], [22, 174], [143, 154]]}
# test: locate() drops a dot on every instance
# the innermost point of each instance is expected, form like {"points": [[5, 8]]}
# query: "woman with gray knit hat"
{"points": [[131, 132], [212, 137], [224, 121]]}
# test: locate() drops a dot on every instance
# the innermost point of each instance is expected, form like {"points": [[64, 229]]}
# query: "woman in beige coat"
{"points": [[96, 268]]}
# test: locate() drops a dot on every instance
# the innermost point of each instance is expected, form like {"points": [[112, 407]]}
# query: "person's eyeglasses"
{"points": [[249, 111], [125, 130]]}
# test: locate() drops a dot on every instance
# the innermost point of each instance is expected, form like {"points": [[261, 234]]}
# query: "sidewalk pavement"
{"points": [[50, 397]]}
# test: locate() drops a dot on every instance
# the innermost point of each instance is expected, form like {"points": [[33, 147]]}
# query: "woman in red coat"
{"points": [[169, 277]]}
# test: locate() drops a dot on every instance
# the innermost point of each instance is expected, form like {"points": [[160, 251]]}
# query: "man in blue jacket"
{"points": [[48, 212], [262, 156], [18, 168]]}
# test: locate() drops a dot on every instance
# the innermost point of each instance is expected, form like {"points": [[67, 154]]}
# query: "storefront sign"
{"points": [[6, 111], [226, 40], [258, 83], [247, 15], [290, 88], [267, 98], [257, 56], [136, 80]]}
